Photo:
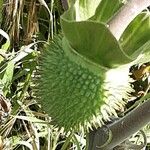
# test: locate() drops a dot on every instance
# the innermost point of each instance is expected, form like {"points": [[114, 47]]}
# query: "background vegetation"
{"points": [[26, 22]]}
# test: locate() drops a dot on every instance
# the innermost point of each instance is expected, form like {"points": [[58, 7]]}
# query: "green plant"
{"points": [[26, 23], [84, 74]]}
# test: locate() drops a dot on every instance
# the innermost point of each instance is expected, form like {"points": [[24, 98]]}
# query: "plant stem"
{"points": [[119, 22], [121, 129]]}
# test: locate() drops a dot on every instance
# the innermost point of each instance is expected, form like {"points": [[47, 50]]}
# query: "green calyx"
{"points": [[76, 92], [69, 87]]}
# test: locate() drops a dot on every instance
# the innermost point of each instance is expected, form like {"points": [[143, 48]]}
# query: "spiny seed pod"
{"points": [[76, 92]]}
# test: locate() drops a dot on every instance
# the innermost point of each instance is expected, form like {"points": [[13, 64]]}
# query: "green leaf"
{"points": [[142, 54], [98, 10], [137, 33], [7, 44], [105, 10], [85, 9], [93, 40], [7, 77], [31, 119]]}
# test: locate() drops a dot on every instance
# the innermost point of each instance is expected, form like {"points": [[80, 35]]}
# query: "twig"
{"points": [[117, 132]]}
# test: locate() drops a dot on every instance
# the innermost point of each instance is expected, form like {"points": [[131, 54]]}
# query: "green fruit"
{"points": [[73, 90]]}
